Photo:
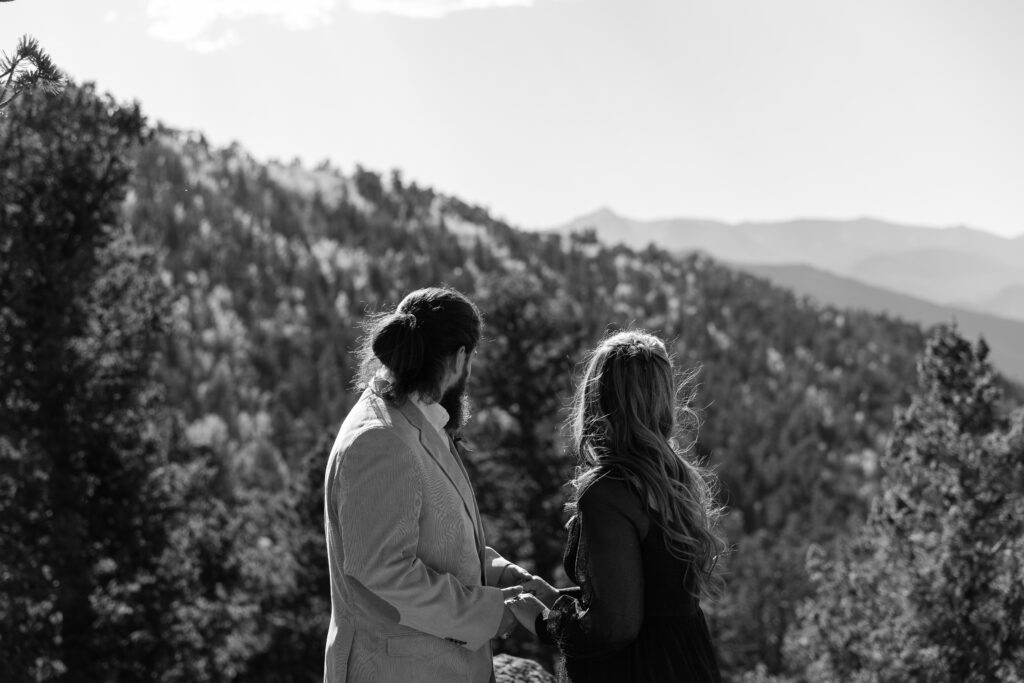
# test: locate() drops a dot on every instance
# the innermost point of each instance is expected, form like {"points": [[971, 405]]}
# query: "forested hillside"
{"points": [[1004, 335], [261, 274], [273, 266]]}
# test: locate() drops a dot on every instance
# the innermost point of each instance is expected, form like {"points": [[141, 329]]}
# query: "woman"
{"points": [[642, 545]]}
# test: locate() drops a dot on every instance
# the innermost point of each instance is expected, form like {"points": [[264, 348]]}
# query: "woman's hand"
{"points": [[526, 607], [542, 589]]}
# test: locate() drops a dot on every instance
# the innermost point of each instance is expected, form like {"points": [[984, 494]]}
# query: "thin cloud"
{"points": [[430, 9], [201, 24]]}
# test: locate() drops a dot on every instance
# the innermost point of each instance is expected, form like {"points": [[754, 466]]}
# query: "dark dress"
{"points": [[632, 618]]}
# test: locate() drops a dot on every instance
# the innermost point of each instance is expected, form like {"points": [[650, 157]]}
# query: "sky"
{"points": [[543, 110]]}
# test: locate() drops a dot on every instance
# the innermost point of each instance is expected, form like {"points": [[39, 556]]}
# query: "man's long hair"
{"points": [[416, 342], [623, 423]]}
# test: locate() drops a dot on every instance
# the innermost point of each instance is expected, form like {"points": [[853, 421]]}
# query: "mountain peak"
{"points": [[605, 211], [604, 220], [602, 214]]}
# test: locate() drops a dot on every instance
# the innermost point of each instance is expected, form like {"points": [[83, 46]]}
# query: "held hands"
{"points": [[541, 589], [508, 617], [526, 607], [531, 584], [530, 596]]}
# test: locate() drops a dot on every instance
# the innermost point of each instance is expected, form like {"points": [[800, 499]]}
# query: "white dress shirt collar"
{"points": [[436, 415]]}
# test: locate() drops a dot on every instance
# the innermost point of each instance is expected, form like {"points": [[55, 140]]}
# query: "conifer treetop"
{"points": [[29, 67]]}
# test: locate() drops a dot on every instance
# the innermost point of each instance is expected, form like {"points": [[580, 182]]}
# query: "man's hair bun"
{"points": [[399, 345]]}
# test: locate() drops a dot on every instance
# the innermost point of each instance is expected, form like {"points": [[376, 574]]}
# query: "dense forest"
{"points": [[177, 324]]}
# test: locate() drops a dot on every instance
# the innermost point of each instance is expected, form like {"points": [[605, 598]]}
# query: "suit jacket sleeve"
{"points": [[379, 506]]}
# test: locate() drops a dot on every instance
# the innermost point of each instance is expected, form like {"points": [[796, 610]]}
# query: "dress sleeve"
{"points": [[608, 615]]}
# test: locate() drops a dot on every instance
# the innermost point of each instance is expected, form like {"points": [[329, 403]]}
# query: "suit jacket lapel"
{"points": [[440, 452], [476, 509]]}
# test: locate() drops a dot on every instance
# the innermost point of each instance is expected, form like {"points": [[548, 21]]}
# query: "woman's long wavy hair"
{"points": [[626, 411]]}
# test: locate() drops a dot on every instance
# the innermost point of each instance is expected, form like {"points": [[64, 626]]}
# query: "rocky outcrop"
{"points": [[509, 669]]}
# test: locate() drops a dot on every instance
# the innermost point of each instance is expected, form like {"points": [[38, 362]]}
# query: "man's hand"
{"points": [[511, 592], [513, 574], [542, 589], [508, 617]]}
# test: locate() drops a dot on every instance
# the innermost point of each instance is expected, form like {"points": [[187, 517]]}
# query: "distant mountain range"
{"points": [[923, 275], [1004, 336], [962, 267]]}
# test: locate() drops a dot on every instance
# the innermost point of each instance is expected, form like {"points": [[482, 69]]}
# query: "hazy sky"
{"points": [[541, 110]]}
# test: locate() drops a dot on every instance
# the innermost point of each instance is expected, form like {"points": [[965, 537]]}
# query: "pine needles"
{"points": [[29, 67]]}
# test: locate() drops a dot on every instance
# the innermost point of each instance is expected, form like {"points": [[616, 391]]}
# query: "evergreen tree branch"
{"points": [[30, 67]]}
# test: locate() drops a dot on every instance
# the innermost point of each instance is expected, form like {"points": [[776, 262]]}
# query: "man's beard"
{"points": [[456, 402]]}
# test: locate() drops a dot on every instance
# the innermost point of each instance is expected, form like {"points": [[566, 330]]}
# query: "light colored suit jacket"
{"points": [[413, 586]]}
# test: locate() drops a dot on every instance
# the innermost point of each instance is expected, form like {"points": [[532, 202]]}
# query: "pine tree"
{"points": [[29, 67], [80, 313], [932, 588]]}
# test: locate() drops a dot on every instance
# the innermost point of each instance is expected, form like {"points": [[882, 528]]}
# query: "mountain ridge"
{"points": [[979, 265], [608, 212], [1002, 334]]}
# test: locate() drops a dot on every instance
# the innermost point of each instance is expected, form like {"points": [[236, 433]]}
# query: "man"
{"points": [[416, 595]]}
